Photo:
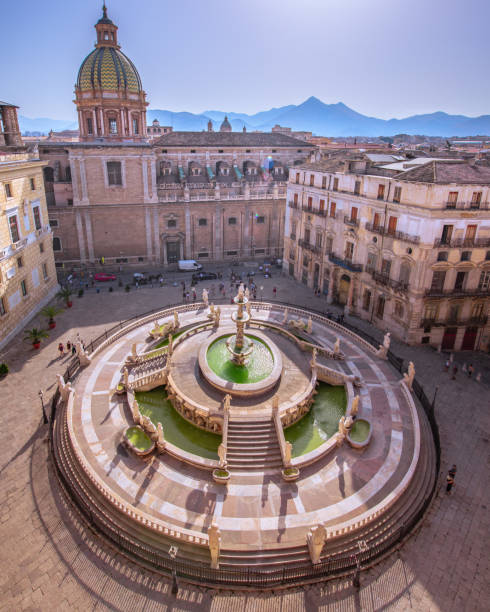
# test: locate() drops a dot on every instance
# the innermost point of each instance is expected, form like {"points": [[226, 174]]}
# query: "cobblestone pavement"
{"points": [[50, 561]]}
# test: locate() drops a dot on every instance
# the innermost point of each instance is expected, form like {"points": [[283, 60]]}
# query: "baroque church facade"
{"points": [[120, 195]]}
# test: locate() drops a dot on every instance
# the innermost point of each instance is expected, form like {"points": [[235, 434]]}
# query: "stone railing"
{"points": [[149, 381]]}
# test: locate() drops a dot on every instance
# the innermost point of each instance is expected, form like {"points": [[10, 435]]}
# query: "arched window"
{"points": [[366, 299], [56, 243], [68, 174], [405, 273]]}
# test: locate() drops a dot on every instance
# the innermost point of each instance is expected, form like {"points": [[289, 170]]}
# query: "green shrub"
{"points": [[4, 369], [80, 293], [127, 289]]}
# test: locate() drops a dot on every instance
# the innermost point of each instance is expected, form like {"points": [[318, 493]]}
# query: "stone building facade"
{"points": [[408, 249], [192, 195], [27, 268]]}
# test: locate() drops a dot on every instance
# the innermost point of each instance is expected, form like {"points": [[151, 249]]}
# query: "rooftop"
{"points": [[230, 139], [444, 172]]}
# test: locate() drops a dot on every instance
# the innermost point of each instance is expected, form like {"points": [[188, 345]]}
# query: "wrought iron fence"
{"points": [[285, 576]]}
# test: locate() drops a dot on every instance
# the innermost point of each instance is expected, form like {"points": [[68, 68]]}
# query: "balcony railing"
{"points": [[462, 243], [309, 247], [465, 205], [350, 221], [345, 263], [314, 211], [378, 229], [476, 291], [456, 321], [385, 280], [293, 205]]}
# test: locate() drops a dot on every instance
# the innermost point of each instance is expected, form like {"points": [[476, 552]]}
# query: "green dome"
{"points": [[108, 68]]}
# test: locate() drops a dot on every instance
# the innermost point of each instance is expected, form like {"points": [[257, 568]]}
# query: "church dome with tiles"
{"points": [[109, 94]]}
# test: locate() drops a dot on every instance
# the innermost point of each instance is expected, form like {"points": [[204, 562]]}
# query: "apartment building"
{"points": [[27, 269], [405, 246]]}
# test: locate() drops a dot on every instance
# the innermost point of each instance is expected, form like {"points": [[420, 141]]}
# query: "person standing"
{"points": [[446, 365], [61, 349], [68, 347], [453, 470], [449, 483], [471, 369], [455, 371]]}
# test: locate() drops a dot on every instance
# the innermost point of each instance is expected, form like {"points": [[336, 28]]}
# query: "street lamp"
{"points": [[45, 418]]}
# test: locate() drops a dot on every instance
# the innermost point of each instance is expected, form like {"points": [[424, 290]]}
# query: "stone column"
{"points": [[187, 231], [218, 232], [83, 181], [81, 241], [74, 180], [149, 253], [154, 188], [144, 170], [156, 235], [94, 119], [90, 239]]}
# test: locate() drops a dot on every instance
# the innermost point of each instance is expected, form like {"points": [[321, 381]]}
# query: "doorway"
{"points": [[173, 251], [469, 339], [344, 286], [449, 338]]}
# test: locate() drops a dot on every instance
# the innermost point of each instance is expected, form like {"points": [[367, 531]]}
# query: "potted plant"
{"points": [[80, 293], [127, 288], [65, 294], [4, 370], [35, 336], [221, 475], [50, 312], [290, 474]]}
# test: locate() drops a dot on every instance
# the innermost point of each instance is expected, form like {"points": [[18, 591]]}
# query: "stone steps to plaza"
{"points": [[253, 446]]}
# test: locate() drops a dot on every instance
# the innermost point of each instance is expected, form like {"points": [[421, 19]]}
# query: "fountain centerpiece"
{"points": [[239, 345]]}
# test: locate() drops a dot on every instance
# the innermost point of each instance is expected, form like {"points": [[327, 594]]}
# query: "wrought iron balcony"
{"points": [[457, 292], [293, 205], [384, 279], [459, 243], [378, 229], [345, 263], [350, 221], [454, 321], [309, 247]]}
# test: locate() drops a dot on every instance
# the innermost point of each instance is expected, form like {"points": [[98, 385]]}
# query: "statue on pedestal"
{"points": [[285, 317], [313, 363], [176, 319], [316, 539], [135, 409], [217, 316], [309, 326], [336, 346], [288, 454], [160, 438], [382, 352], [205, 296], [82, 354], [355, 406], [64, 388], [214, 536], [222, 456], [226, 402], [410, 375]]}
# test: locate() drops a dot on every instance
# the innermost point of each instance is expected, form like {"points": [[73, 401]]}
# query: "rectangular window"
{"points": [[392, 221], [353, 214], [8, 190], [53, 222], [310, 203], [90, 125], [438, 279], [295, 199], [45, 271], [56, 243], [357, 188], [37, 217], [322, 205], [476, 199], [442, 256], [333, 206], [114, 174], [484, 282], [312, 180], [349, 250], [307, 235], [69, 201], [33, 184], [324, 182], [466, 256], [20, 263], [260, 219], [459, 282], [14, 228], [452, 199], [318, 240], [477, 311], [371, 262], [23, 288], [470, 233], [171, 223], [329, 244], [381, 192], [335, 184], [397, 195], [376, 220], [202, 222], [232, 252], [202, 255], [3, 310], [232, 221], [136, 126], [380, 309], [112, 125], [386, 267], [430, 312], [297, 178], [41, 247], [447, 232]]}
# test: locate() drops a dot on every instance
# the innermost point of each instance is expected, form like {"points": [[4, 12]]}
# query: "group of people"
{"points": [[70, 348], [469, 370]]}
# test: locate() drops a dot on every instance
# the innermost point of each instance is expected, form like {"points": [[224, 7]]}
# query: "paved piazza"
{"points": [[50, 560]]}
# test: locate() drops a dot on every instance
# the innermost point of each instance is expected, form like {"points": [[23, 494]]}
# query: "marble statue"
{"points": [[285, 317], [349, 421], [205, 296], [287, 454], [382, 352], [135, 409], [170, 347], [211, 308], [148, 425], [313, 363], [176, 319], [126, 377], [160, 438], [222, 455], [226, 402], [82, 354], [316, 539], [355, 405], [409, 376], [336, 346], [309, 326], [247, 293], [217, 316], [214, 536], [134, 354], [248, 308], [64, 388], [241, 292]]}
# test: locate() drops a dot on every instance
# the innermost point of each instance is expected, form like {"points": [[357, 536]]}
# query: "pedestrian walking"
{"points": [[274, 291], [455, 371], [449, 484], [73, 349], [68, 347], [453, 470], [471, 369], [194, 295], [61, 349], [446, 365]]}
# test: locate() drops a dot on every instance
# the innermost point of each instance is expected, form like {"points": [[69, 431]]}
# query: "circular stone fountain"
{"points": [[240, 364]]}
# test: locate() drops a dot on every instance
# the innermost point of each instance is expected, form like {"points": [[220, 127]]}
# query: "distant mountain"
{"points": [[311, 115], [44, 124]]}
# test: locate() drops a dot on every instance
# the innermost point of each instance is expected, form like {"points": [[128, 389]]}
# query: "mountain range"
{"points": [[312, 115]]}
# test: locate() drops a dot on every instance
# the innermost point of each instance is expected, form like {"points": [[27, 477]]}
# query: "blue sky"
{"points": [[384, 58]]}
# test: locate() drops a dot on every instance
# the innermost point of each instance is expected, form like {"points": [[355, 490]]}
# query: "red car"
{"points": [[102, 276]]}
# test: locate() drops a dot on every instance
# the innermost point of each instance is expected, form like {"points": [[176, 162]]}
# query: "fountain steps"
{"points": [[253, 445]]}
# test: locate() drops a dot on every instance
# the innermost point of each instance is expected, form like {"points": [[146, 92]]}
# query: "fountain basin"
{"points": [[138, 441], [360, 434], [238, 380]]}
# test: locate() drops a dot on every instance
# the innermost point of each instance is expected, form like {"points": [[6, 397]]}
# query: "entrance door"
{"points": [[173, 252], [344, 289], [316, 276], [449, 338], [469, 339]]}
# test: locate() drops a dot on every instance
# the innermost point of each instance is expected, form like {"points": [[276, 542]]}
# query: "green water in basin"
{"points": [[165, 342], [176, 430], [138, 438], [260, 361], [360, 430], [321, 422]]}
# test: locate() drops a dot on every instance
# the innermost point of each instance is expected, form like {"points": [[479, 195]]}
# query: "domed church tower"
{"points": [[109, 96]]}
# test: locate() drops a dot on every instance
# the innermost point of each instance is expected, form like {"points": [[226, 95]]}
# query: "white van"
{"points": [[189, 265]]}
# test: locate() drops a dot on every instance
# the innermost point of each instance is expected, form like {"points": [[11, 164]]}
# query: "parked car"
{"points": [[199, 276], [138, 275], [103, 276]]}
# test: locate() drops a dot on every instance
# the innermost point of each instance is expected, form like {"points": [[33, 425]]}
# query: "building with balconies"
{"points": [[407, 248], [27, 269]]}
